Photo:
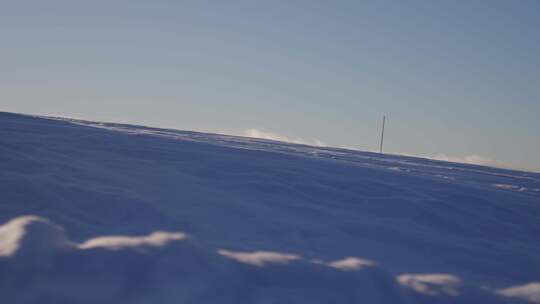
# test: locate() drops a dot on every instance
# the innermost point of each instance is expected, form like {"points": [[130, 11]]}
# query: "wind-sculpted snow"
{"points": [[432, 284], [30, 235], [156, 239], [41, 266], [350, 264], [167, 268], [260, 258], [130, 214], [529, 292]]}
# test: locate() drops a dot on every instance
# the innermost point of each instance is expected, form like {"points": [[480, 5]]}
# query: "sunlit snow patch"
{"points": [[350, 264], [156, 239], [30, 235], [259, 258], [529, 292], [432, 284], [510, 187]]}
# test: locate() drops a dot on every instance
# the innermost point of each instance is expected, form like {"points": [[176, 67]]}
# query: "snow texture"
{"points": [[109, 213]]}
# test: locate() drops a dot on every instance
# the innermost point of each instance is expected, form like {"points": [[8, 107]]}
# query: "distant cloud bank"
{"points": [[274, 136], [472, 159], [468, 159]]}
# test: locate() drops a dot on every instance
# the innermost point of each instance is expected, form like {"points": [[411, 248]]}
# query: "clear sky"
{"points": [[459, 78]]}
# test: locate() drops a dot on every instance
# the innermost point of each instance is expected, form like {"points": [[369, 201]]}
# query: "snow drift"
{"points": [[41, 265], [108, 213]]}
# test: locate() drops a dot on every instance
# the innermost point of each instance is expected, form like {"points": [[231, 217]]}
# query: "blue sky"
{"points": [[457, 79]]}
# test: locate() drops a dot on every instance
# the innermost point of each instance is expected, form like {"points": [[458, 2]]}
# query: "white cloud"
{"points": [[256, 133], [468, 159], [472, 159]]}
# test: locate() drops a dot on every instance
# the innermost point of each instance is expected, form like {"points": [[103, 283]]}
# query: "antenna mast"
{"points": [[382, 134]]}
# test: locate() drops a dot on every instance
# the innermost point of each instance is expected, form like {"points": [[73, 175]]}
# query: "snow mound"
{"points": [[529, 292], [169, 267], [351, 264], [259, 258], [30, 235], [428, 288], [432, 284], [156, 239], [39, 264]]}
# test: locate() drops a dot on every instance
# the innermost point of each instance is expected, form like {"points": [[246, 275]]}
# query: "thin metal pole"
{"points": [[382, 134]]}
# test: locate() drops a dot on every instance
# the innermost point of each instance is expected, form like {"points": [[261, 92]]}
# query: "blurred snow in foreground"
{"points": [[108, 213]]}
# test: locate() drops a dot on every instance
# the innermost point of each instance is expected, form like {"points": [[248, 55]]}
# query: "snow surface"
{"points": [[109, 213]]}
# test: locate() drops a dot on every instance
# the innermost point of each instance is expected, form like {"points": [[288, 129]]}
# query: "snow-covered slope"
{"points": [[109, 213]]}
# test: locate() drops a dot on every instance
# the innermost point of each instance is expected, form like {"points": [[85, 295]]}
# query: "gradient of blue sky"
{"points": [[454, 77]]}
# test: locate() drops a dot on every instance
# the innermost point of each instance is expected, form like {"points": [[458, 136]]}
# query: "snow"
{"points": [[259, 258], [351, 264], [29, 235], [108, 213], [432, 284], [156, 239], [528, 292]]}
